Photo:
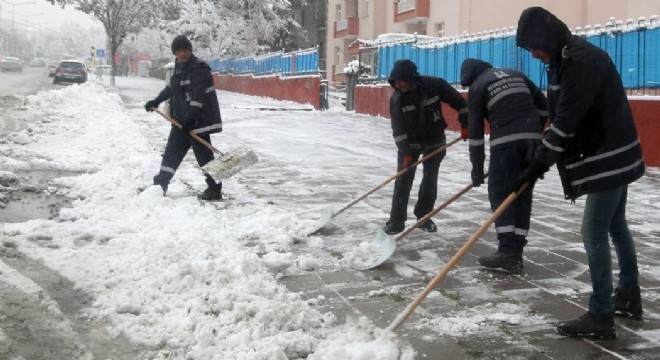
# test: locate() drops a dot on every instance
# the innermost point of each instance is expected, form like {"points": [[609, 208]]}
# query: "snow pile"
{"points": [[166, 271], [360, 339]]}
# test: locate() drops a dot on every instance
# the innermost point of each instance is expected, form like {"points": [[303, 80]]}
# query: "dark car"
{"points": [[70, 71], [11, 64]]}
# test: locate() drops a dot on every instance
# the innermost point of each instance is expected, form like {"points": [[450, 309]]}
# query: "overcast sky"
{"points": [[42, 13]]}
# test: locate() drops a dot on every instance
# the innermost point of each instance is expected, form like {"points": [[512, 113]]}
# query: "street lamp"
{"points": [[13, 8]]}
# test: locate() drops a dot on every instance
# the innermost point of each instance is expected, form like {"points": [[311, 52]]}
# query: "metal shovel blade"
{"points": [[321, 222], [230, 163], [379, 250]]}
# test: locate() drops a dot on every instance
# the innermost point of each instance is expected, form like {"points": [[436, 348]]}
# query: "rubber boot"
{"points": [[213, 191], [158, 180]]}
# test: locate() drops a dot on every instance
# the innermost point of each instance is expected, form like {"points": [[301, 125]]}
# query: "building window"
{"points": [[440, 29], [367, 3], [337, 12]]}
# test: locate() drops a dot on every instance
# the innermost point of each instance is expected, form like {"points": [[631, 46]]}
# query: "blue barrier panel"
{"points": [[461, 55], [486, 50], [420, 59], [511, 52], [442, 61], [499, 53], [474, 49], [651, 56], [432, 64], [452, 56], [630, 59]]}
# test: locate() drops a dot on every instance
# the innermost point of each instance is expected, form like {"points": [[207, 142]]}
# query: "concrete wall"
{"points": [[374, 100], [300, 89]]}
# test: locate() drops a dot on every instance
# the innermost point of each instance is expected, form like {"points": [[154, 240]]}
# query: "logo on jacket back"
{"points": [[500, 74]]}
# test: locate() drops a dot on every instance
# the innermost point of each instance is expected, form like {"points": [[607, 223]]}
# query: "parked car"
{"points": [[9, 63], [70, 71]]}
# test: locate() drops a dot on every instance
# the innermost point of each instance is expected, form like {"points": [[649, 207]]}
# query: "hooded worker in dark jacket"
{"points": [[418, 127], [516, 111], [194, 104], [594, 142]]}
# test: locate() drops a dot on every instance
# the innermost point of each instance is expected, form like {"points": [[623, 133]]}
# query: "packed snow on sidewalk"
{"points": [[167, 272]]}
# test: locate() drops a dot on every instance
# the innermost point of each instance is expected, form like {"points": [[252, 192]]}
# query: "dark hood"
{"points": [[405, 70], [471, 69], [540, 29]]}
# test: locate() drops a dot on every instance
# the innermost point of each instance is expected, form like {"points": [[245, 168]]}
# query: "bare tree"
{"points": [[123, 17]]}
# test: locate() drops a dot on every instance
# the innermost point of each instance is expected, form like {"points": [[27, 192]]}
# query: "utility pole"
{"points": [[13, 9]]}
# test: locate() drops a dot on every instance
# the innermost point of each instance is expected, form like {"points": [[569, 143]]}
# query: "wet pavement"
{"points": [[474, 313]]}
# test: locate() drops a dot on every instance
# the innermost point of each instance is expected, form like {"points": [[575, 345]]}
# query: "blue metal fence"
{"points": [[294, 63], [635, 53]]}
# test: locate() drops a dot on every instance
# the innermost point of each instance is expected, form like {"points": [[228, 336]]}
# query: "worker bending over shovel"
{"points": [[419, 128], [517, 111], [194, 103]]}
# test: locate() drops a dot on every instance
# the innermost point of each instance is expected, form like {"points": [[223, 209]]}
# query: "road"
{"points": [[15, 86]]}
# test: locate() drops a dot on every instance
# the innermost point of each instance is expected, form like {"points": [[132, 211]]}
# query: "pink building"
{"points": [[364, 20]]}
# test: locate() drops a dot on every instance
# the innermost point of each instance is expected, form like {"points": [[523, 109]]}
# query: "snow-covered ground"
{"points": [[201, 281], [169, 271]]}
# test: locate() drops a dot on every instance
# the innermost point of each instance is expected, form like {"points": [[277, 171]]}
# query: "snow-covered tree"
{"points": [[234, 27], [123, 17]]}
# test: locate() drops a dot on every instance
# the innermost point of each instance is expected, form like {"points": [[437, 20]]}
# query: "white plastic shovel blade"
{"points": [[378, 251], [230, 163]]}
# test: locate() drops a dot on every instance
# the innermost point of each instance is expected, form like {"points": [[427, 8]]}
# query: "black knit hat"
{"points": [[181, 42]]}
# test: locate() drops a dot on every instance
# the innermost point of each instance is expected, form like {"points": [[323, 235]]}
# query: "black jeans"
{"points": [[177, 146], [428, 189]]}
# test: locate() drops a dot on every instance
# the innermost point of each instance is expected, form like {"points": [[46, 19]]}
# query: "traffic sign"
{"points": [[100, 52]]}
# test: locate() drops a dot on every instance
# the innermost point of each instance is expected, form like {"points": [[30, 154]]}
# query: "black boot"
{"points": [[213, 191], [392, 228], [506, 261], [158, 180], [428, 226], [628, 303], [590, 326]]}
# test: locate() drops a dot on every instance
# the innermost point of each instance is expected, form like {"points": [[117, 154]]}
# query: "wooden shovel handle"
{"points": [[190, 133], [426, 217], [398, 321], [389, 179]]}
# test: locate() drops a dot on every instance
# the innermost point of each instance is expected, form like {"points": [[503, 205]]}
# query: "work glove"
{"points": [[151, 104], [477, 176], [407, 161], [533, 172], [465, 133]]}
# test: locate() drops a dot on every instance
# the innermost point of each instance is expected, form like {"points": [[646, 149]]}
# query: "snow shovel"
{"points": [[385, 245], [227, 164], [398, 321], [329, 215]]}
